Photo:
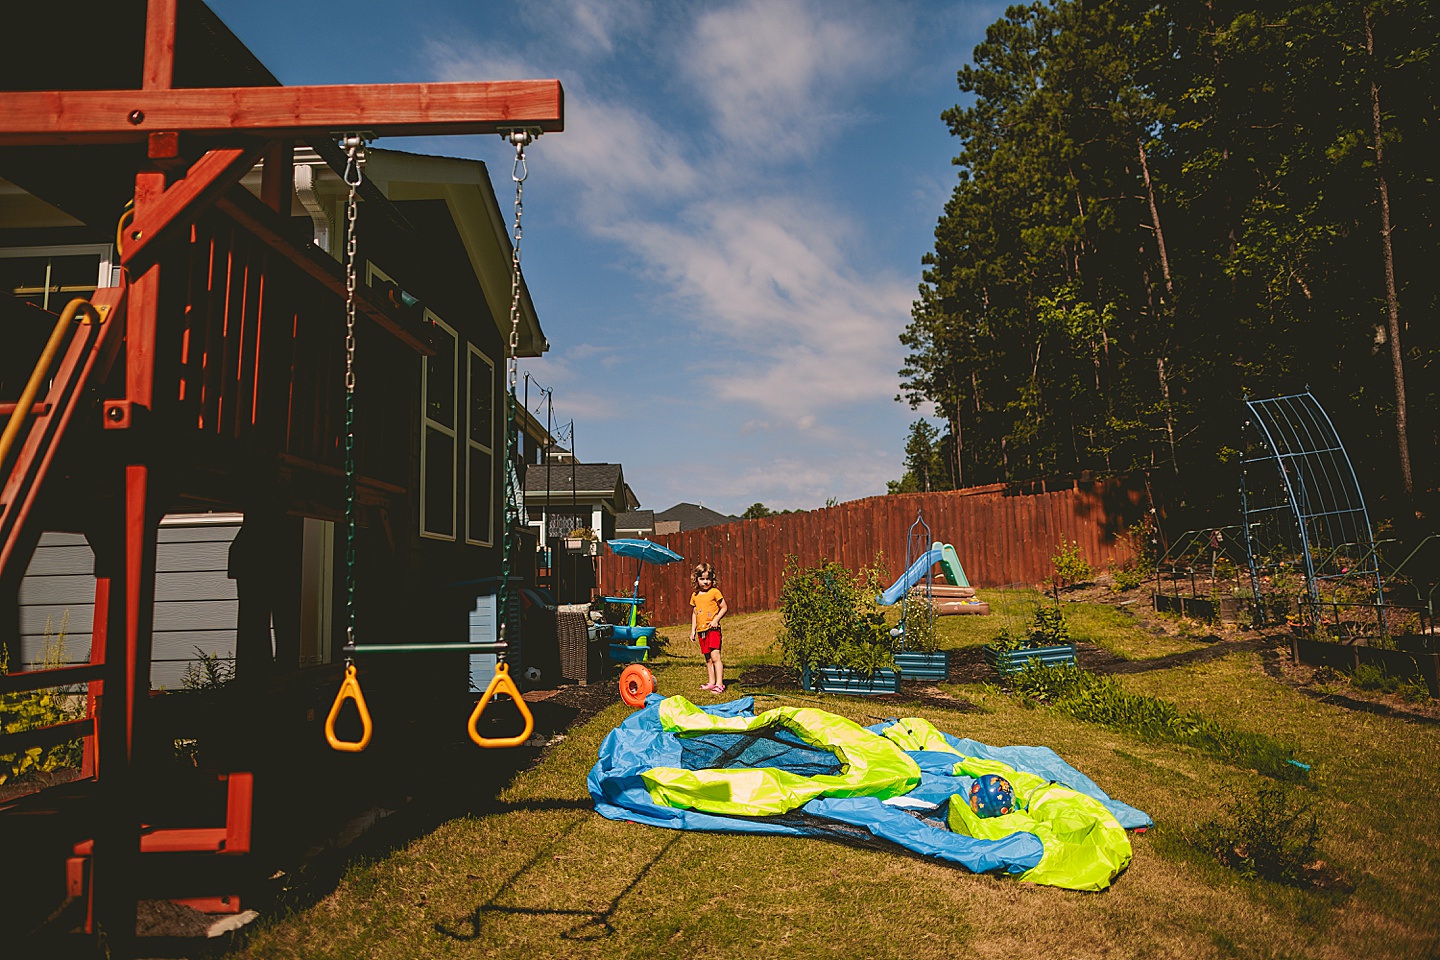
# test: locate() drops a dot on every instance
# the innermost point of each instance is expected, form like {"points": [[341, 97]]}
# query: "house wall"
{"points": [[195, 602]]}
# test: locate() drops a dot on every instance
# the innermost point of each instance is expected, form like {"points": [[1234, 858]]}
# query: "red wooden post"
{"points": [[277, 181], [159, 70]]}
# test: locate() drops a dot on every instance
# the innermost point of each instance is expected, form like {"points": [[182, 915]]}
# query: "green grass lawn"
{"points": [[547, 876]]}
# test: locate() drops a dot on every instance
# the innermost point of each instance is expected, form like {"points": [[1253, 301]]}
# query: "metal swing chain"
{"points": [[518, 173], [354, 163]]}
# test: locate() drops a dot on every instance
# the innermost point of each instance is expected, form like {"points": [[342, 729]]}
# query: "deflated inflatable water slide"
{"points": [[805, 772]]}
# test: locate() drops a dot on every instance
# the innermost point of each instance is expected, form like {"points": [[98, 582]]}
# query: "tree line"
{"points": [[1165, 206]]}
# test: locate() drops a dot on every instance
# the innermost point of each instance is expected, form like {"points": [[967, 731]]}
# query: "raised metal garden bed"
{"points": [[1347, 656], [1006, 662], [915, 665], [845, 680], [1223, 610]]}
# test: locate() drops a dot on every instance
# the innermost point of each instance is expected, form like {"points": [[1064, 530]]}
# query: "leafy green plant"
{"points": [[1048, 629], [830, 618], [1374, 676], [1100, 699], [29, 709], [919, 634], [620, 613], [1070, 566], [1126, 578], [1141, 566], [209, 672], [1271, 834]]}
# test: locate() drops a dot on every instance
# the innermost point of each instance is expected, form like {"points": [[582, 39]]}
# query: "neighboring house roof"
{"points": [[635, 521], [604, 482], [603, 478], [693, 516]]}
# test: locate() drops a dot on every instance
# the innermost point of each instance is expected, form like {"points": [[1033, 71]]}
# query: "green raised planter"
{"points": [[1006, 662], [845, 680], [923, 666]]}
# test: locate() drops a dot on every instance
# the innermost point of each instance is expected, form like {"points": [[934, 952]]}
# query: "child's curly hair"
{"points": [[703, 570]]}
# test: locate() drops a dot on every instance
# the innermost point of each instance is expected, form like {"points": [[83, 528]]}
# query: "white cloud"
{"points": [[775, 73], [705, 165], [771, 282], [590, 27]]}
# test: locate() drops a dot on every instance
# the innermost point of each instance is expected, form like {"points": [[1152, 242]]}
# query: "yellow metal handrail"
{"points": [[42, 368]]}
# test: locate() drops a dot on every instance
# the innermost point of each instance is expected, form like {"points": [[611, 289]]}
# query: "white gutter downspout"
{"points": [[305, 190]]}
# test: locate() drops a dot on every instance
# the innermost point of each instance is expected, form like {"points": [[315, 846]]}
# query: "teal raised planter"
{"points": [[932, 667], [845, 680], [1006, 662]]}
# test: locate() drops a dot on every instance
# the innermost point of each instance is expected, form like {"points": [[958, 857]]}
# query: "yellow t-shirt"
{"points": [[707, 608]]}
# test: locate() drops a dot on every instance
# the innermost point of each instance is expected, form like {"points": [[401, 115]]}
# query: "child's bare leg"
{"points": [[719, 667], [710, 673]]}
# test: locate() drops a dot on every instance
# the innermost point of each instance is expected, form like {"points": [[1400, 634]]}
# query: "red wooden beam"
{"points": [[382, 110], [172, 212]]}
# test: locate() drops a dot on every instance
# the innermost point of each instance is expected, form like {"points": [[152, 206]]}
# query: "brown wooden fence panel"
{"points": [[1002, 534]]}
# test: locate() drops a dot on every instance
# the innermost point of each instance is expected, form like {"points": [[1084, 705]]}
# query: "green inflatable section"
{"points": [[1085, 846], [873, 765]]}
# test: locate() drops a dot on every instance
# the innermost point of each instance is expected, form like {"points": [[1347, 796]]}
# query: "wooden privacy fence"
{"points": [[1003, 534]]}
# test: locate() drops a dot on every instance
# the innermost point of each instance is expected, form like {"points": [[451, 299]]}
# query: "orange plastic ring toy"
{"points": [[636, 683]]}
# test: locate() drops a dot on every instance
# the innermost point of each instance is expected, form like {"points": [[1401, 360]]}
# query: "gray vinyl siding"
{"points": [[195, 602]]}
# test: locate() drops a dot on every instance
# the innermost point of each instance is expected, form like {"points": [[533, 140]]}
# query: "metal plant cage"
{"points": [[1309, 546], [1204, 574]]}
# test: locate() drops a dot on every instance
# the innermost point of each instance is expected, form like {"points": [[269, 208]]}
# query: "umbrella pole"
{"points": [[635, 607]]}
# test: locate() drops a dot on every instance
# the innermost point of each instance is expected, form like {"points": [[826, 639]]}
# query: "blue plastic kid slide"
{"points": [[941, 553]]}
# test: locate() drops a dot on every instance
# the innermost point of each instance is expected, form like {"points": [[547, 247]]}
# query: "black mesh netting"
{"points": [[774, 748]]}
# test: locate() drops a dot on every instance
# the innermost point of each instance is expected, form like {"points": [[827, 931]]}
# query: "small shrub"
{"points": [[1048, 629], [1144, 549], [1070, 567], [1272, 835], [208, 673], [620, 613], [830, 617], [1127, 577], [919, 635], [1374, 676], [30, 709]]}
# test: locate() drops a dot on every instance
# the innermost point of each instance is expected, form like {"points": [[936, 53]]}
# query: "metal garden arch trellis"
{"points": [[1309, 511]]}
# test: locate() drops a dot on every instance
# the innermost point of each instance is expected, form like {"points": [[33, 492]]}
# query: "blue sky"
{"points": [[724, 243]]}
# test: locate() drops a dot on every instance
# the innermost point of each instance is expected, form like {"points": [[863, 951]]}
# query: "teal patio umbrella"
{"points": [[644, 551]]}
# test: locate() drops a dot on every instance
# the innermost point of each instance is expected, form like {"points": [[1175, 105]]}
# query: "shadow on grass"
{"points": [[595, 925], [1271, 666]]}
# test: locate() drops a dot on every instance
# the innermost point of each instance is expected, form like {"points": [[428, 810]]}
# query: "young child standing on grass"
{"points": [[709, 606]]}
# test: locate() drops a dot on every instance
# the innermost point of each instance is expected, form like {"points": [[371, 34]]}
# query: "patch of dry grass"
{"points": [[547, 876]]}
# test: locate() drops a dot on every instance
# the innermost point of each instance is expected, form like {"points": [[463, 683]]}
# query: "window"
{"points": [[438, 439], [51, 277], [480, 450]]}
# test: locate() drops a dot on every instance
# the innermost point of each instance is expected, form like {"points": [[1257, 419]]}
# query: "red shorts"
{"points": [[709, 640]]}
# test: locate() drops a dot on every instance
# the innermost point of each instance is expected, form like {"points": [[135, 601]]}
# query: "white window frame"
{"points": [[105, 276], [426, 424], [470, 443]]}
